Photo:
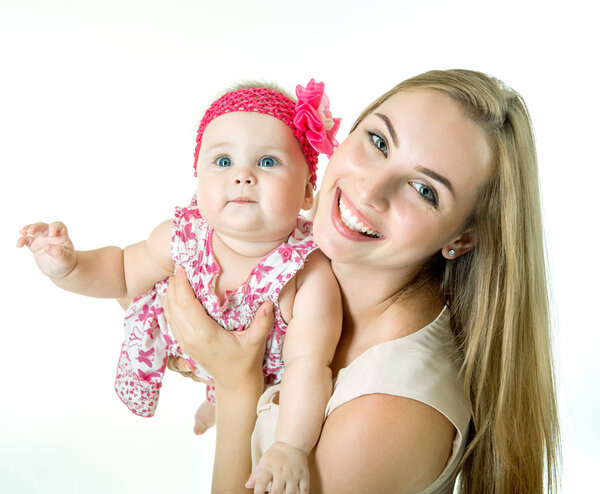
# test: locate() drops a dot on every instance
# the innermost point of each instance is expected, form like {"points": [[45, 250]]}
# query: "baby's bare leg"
{"points": [[205, 418], [205, 415]]}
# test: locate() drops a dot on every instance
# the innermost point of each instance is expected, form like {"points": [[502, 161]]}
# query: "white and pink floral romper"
{"points": [[148, 338]]}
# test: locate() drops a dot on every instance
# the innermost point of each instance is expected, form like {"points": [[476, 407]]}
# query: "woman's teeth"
{"points": [[352, 222]]}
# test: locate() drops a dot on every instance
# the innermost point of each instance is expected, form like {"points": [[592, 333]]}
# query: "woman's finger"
{"points": [[182, 295], [191, 326], [171, 295], [261, 325], [179, 364], [185, 293]]}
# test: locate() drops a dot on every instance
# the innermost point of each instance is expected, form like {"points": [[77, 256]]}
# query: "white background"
{"points": [[99, 101]]}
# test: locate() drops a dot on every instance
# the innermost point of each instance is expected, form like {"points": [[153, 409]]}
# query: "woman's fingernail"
{"points": [[178, 270]]}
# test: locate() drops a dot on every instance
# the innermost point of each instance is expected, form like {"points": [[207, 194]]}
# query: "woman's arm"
{"points": [[376, 443], [380, 444], [234, 359]]}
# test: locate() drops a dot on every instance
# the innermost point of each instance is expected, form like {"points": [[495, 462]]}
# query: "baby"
{"points": [[241, 242]]}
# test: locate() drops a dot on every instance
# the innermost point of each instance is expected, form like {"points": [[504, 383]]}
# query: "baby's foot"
{"points": [[205, 418]]}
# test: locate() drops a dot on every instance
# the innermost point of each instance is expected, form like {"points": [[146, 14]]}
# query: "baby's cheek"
{"points": [[287, 205], [208, 200]]}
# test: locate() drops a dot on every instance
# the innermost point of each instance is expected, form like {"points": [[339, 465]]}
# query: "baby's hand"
{"points": [[51, 246], [283, 465]]}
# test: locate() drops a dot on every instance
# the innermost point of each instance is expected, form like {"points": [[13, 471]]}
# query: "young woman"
{"points": [[445, 307]]}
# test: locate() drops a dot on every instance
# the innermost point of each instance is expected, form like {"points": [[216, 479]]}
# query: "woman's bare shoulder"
{"points": [[381, 443]]}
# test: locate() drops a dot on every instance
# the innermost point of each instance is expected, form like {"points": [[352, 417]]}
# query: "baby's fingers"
{"points": [[251, 481], [57, 251], [262, 480], [278, 485], [304, 485], [57, 229], [24, 241], [34, 229]]}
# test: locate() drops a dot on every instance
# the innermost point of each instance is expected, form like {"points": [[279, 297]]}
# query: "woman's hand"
{"points": [[231, 357]]}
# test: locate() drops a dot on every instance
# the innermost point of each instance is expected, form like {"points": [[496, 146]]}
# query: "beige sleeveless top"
{"points": [[422, 366]]}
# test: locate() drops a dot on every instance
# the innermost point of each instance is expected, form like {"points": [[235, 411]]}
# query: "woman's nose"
{"points": [[374, 191]]}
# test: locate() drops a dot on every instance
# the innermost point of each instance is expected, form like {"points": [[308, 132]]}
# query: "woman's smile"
{"points": [[350, 222]]}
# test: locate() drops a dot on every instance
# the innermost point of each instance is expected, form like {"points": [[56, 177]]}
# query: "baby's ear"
{"points": [[310, 213], [308, 196]]}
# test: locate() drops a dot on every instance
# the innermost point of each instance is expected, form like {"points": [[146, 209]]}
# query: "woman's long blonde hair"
{"points": [[498, 298]]}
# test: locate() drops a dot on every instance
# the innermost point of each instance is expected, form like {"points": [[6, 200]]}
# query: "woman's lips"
{"points": [[345, 230]]}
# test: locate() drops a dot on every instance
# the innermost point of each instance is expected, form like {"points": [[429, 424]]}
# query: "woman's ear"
{"points": [[461, 245]]}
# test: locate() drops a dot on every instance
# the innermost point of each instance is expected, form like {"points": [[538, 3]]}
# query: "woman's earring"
{"points": [[451, 252]]}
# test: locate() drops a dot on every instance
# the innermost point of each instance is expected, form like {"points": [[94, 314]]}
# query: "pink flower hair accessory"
{"points": [[314, 118], [309, 119]]}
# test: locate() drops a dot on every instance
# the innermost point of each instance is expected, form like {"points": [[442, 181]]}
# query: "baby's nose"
{"points": [[245, 179]]}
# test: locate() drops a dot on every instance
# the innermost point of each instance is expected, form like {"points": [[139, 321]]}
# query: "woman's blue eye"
{"points": [[426, 191], [379, 142], [223, 161], [268, 162]]}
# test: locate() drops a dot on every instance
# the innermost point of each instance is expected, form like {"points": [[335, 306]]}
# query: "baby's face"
{"points": [[252, 177]]}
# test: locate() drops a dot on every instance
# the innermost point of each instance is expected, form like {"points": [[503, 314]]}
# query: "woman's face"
{"points": [[401, 186]]}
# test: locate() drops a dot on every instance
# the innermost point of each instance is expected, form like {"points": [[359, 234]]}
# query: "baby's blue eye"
{"points": [[224, 161], [268, 162], [379, 142]]}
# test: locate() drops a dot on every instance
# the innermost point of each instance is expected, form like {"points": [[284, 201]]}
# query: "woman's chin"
{"points": [[332, 244]]}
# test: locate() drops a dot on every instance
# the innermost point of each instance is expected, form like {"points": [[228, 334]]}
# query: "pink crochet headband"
{"points": [[309, 119]]}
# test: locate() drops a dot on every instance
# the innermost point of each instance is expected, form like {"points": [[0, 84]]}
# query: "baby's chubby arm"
{"points": [[108, 272], [309, 346]]}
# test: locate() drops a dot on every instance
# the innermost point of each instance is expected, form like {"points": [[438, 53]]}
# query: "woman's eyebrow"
{"points": [[437, 177], [390, 128]]}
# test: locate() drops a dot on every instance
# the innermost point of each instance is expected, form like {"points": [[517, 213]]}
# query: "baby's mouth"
{"points": [[242, 200], [352, 223]]}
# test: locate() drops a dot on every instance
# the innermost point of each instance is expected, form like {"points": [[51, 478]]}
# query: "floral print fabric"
{"points": [[148, 338]]}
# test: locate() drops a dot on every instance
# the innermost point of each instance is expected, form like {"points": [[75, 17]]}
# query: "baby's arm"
{"points": [[306, 386], [109, 272]]}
